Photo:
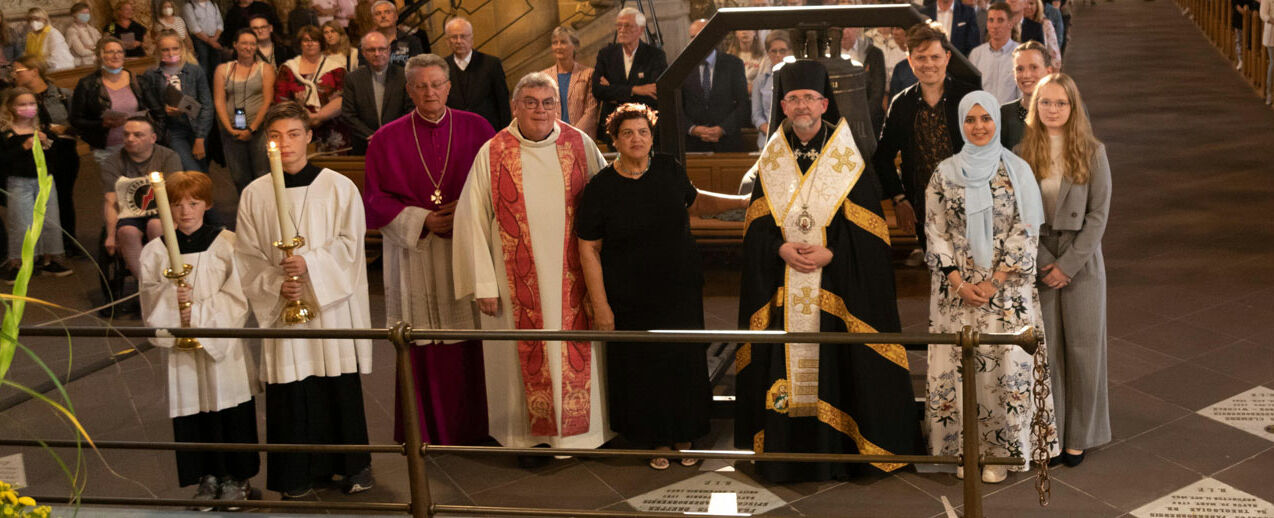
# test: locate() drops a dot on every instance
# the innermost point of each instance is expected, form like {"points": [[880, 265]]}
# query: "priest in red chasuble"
{"points": [[817, 258], [515, 252], [416, 167]]}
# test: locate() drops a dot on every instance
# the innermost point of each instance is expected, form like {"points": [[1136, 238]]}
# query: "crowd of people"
{"points": [[498, 210]]}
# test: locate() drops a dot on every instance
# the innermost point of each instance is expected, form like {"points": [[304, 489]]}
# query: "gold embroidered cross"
{"points": [[841, 157], [804, 299], [771, 161]]}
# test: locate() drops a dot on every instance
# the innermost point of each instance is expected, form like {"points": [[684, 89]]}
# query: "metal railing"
{"points": [[421, 505]]}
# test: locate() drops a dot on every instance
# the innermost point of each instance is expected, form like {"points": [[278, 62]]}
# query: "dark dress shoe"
{"points": [[1055, 461], [1072, 460], [532, 461]]}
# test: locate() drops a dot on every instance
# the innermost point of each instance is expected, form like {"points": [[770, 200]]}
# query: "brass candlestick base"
{"points": [[295, 311], [183, 343]]}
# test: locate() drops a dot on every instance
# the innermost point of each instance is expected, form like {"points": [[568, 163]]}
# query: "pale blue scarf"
{"points": [[974, 167]]}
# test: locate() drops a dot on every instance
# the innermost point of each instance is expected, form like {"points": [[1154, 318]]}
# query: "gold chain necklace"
{"points": [[436, 197]]}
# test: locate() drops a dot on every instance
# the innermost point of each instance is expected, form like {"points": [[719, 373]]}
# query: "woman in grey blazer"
{"points": [[1074, 176]]}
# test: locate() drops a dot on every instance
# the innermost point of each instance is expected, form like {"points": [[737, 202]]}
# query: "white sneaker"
{"points": [[995, 474], [960, 472]]}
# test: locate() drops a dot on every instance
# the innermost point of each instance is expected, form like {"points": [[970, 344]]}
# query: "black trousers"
{"points": [[315, 410], [234, 424]]}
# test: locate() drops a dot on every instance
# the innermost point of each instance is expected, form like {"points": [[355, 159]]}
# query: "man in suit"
{"points": [[627, 69], [959, 22], [373, 94], [477, 79], [714, 101]]}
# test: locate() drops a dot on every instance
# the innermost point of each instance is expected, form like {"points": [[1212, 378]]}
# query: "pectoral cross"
{"points": [[804, 299]]}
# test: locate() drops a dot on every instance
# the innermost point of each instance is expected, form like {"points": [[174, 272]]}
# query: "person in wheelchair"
{"points": [[139, 156]]}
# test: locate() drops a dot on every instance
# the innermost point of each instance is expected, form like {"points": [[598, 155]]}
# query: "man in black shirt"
{"points": [[923, 125]]}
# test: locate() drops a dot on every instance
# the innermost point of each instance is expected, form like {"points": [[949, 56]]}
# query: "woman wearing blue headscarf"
{"points": [[983, 215]]}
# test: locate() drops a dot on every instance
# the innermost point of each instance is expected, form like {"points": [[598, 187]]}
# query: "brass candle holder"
{"points": [[295, 311], [179, 278]]}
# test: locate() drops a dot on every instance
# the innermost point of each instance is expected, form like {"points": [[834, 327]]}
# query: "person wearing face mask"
{"points": [[105, 98], [46, 42], [983, 217], [54, 104], [19, 123], [129, 31], [82, 37], [169, 20], [173, 80]]}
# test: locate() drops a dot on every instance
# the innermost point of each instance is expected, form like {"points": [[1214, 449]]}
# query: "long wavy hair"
{"points": [[1080, 143]]}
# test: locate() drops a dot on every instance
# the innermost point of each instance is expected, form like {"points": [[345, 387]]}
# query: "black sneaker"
{"points": [[207, 491], [55, 269], [233, 490], [362, 481]]}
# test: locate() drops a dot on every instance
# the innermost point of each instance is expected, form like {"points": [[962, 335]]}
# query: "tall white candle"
{"points": [[166, 218], [286, 229]]}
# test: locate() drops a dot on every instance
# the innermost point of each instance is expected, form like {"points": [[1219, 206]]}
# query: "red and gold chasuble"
{"points": [[509, 202]]}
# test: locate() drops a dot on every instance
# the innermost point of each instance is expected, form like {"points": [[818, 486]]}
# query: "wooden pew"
{"points": [[717, 172]]}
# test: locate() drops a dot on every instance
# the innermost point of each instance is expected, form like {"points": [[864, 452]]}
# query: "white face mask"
{"points": [[168, 11], [37, 25], [84, 17]]}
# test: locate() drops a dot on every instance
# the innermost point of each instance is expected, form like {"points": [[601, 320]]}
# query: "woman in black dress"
{"points": [[642, 270]]}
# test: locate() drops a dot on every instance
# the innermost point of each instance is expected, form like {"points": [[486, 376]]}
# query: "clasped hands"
{"points": [[294, 267], [708, 133], [803, 257], [440, 221], [973, 295], [1053, 277]]}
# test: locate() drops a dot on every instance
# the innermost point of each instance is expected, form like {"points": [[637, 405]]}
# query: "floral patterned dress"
{"points": [[1005, 373]]}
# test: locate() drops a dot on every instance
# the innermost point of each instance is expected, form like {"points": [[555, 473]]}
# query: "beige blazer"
{"points": [[580, 103]]}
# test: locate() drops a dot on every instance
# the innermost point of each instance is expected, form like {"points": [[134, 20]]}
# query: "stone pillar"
{"points": [[673, 17]]}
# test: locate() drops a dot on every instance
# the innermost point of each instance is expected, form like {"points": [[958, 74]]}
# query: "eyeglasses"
{"points": [[532, 103], [431, 86], [17, 70], [112, 53], [260, 27], [1061, 105], [803, 99]]}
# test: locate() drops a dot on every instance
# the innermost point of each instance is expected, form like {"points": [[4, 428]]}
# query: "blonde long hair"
{"points": [[1080, 144]]}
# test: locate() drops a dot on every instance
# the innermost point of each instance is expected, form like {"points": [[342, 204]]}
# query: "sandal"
{"points": [[689, 462], [659, 463]]}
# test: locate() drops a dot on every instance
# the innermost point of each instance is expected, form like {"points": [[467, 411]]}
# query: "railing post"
{"points": [[417, 476], [969, 414]]}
